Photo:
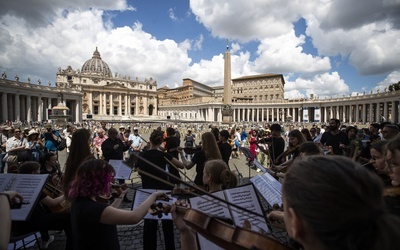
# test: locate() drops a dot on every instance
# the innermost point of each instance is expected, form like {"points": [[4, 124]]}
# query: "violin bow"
{"points": [[193, 187], [180, 171]]}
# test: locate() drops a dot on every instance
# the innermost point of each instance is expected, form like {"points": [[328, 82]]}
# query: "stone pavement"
{"points": [[130, 236]]}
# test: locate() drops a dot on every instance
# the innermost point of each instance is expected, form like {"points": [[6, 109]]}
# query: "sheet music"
{"points": [[142, 194], [29, 186], [213, 207], [269, 187], [246, 197], [121, 170]]}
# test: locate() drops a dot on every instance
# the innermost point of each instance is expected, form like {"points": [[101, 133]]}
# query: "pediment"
{"points": [[116, 85]]}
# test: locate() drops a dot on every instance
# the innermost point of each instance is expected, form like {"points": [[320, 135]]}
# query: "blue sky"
{"points": [[325, 47]]}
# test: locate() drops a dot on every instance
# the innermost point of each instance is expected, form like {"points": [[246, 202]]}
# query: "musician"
{"points": [[79, 151], [209, 150], [217, 176], [335, 138], [51, 166], [94, 223], [322, 194], [41, 218], [224, 147], [296, 139], [157, 156], [276, 144]]}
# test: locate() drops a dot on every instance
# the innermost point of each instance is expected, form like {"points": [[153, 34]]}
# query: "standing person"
{"points": [[276, 145], [35, 145], [307, 134], [224, 147], [94, 223], [253, 144], [137, 142], [209, 150], [68, 137], [389, 131], [50, 139], [113, 149], [243, 137], [189, 141], [158, 158], [334, 138], [98, 141], [79, 152]]}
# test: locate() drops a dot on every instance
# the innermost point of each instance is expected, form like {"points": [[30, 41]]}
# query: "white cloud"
{"points": [[172, 14], [127, 50], [392, 78], [320, 85]]}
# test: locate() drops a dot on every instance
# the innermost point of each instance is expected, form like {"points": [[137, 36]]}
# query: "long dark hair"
{"points": [[78, 152], [341, 202]]}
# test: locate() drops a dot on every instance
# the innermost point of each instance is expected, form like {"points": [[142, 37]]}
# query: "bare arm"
{"points": [[187, 164], [115, 216], [5, 215]]}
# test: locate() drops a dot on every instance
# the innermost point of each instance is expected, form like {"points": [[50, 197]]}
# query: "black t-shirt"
{"points": [[278, 146], [110, 153], [226, 150], [329, 139], [171, 143], [199, 159], [156, 157], [87, 231]]}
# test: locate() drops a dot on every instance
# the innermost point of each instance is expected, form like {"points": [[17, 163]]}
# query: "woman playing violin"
{"points": [[296, 138], [209, 150], [94, 223], [217, 176]]}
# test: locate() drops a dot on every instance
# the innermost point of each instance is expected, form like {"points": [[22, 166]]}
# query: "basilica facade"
{"points": [[106, 96]]}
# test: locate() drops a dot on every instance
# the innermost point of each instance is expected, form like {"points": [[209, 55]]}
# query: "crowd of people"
{"points": [[327, 172]]}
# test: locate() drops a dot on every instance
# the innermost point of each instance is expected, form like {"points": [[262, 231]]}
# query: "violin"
{"points": [[223, 233], [189, 150], [115, 191], [185, 193], [54, 192], [286, 153]]}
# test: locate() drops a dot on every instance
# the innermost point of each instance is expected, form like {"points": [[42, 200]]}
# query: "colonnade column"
{"points": [[40, 109], [385, 110], [393, 112], [377, 112], [28, 109], [4, 106], [17, 108]]}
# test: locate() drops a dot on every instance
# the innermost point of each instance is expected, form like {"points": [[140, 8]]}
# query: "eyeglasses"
{"points": [[17, 131]]}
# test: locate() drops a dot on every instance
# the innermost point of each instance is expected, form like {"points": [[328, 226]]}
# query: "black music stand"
{"points": [[246, 152]]}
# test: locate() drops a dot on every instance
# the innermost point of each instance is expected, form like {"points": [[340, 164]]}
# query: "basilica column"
{"points": [[111, 104], [137, 105], [119, 104], [262, 114], [105, 103], [126, 113], [145, 105], [78, 110], [4, 107], [267, 114], [17, 108]]}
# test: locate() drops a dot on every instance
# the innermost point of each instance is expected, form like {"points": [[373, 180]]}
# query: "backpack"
{"points": [[61, 144], [189, 141]]}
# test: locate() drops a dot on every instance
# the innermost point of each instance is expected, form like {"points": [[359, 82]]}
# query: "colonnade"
{"points": [[25, 107], [367, 111]]}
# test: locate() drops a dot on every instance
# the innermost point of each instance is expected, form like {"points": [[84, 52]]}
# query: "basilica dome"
{"points": [[96, 66]]}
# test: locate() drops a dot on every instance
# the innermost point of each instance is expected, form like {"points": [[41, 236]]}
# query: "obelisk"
{"points": [[227, 107]]}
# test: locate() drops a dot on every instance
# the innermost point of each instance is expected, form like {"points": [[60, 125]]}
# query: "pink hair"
{"points": [[92, 179]]}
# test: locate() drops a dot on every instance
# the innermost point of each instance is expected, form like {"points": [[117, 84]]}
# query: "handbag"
{"points": [[61, 144], [10, 158]]}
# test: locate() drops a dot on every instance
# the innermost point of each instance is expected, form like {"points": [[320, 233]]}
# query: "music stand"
{"points": [[248, 156]]}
